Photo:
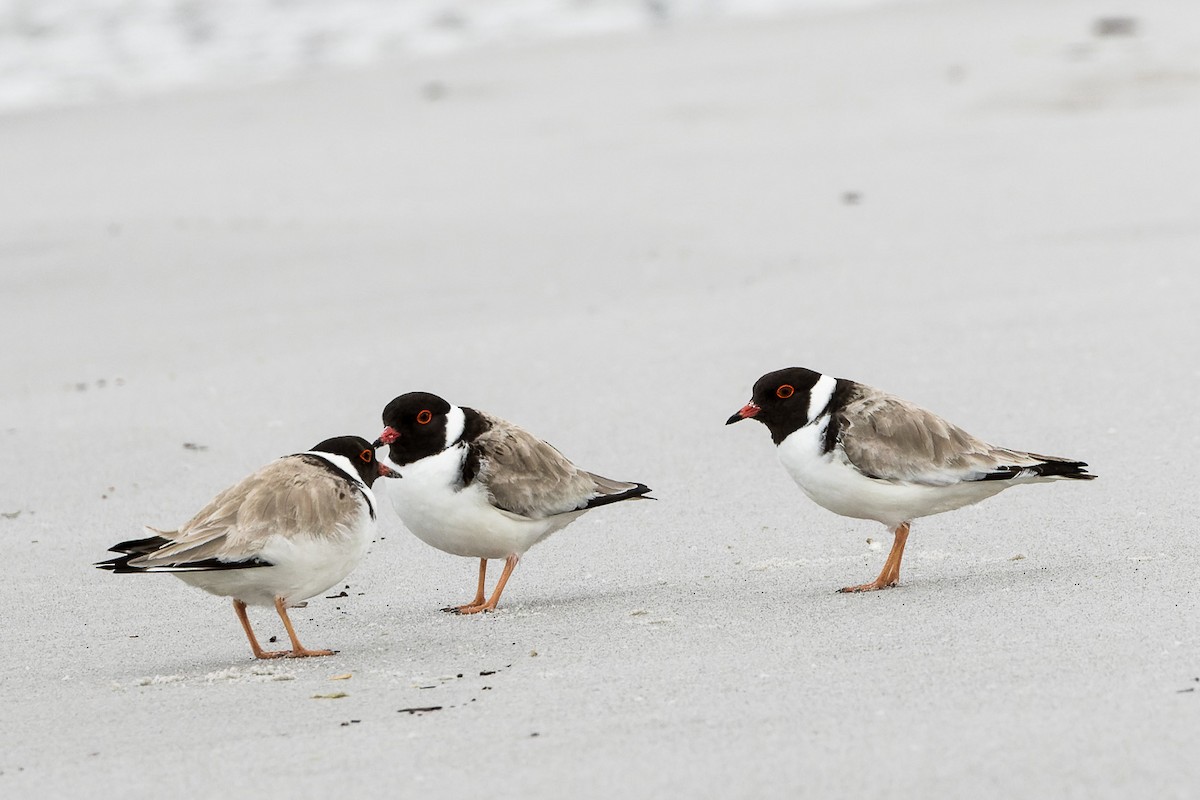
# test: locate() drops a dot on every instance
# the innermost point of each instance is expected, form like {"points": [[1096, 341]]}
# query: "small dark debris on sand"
{"points": [[194, 446], [1115, 26], [102, 383], [335, 596], [418, 710]]}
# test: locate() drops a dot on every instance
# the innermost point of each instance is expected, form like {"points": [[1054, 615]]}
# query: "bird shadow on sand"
{"points": [[983, 579], [601, 599]]}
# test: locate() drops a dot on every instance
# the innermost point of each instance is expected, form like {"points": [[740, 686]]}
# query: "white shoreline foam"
{"points": [[60, 52]]}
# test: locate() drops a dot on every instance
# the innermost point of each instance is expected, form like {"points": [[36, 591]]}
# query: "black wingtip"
{"points": [[118, 565], [1050, 468], [140, 546], [122, 566], [639, 490], [1064, 469], [130, 550]]}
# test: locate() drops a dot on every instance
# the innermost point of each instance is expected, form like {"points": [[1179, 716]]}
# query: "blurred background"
{"points": [[70, 51]]}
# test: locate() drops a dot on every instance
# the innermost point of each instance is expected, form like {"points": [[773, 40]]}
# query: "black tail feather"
{"points": [[1064, 469], [1049, 468], [602, 500], [140, 546], [121, 564]]}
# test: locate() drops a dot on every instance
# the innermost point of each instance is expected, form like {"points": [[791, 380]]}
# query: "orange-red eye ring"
{"points": [[425, 417], [785, 391], [366, 456]]}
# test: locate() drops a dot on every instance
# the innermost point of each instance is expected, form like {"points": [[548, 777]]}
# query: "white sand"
{"points": [[608, 241]]}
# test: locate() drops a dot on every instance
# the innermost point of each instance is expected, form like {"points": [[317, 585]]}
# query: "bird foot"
{"points": [[469, 609], [303, 652], [874, 586], [266, 654]]}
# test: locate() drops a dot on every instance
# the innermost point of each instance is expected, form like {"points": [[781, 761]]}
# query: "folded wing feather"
{"points": [[529, 477], [889, 438], [289, 497]]}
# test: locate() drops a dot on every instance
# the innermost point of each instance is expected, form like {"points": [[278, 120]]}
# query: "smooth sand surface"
{"points": [[980, 206]]}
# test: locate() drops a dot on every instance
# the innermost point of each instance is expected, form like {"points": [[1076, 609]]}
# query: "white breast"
{"points": [[833, 483], [462, 521]]}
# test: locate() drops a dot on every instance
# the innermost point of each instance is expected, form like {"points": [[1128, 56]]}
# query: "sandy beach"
{"points": [[985, 207]]}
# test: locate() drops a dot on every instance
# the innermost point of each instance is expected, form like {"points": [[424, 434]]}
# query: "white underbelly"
{"points": [[833, 483], [462, 521]]}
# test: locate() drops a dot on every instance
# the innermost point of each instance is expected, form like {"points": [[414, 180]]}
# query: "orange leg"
{"points": [[890, 574], [478, 601], [239, 608], [298, 650], [510, 563]]}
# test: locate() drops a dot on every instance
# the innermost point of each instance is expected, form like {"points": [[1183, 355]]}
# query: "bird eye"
{"points": [[785, 391], [425, 417], [366, 456]]}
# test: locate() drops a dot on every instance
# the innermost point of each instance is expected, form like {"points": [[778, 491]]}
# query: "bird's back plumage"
{"points": [[529, 477], [289, 530], [292, 497], [891, 439]]}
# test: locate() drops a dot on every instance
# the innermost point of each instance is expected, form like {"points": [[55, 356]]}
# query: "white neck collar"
{"points": [[456, 423], [819, 397]]}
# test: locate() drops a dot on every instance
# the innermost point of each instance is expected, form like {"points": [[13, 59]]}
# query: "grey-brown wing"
{"points": [[288, 497], [889, 438], [527, 476]]}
